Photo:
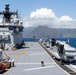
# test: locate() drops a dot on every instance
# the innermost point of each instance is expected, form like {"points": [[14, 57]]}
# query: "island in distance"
{"points": [[44, 31]]}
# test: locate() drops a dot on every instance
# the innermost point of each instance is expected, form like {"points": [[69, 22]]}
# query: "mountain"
{"points": [[45, 31], [26, 31], [71, 33]]}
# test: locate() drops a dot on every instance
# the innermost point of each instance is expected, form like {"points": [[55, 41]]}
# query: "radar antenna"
{"points": [[7, 14]]}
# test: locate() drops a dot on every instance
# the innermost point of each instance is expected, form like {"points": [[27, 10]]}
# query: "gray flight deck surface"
{"points": [[28, 61]]}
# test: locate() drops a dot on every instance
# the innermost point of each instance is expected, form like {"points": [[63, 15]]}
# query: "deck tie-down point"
{"points": [[42, 63]]}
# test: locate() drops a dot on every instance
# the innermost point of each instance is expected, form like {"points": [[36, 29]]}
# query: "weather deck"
{"points": [[28, 61]]}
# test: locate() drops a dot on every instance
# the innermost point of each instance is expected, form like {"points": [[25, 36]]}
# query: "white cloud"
{"points": [[43, 13], [47, 17], [66, 18]]}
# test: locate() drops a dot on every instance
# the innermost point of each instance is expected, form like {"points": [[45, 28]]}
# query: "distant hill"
{"points": [[69, 33], [26, 31], [44, 31]]}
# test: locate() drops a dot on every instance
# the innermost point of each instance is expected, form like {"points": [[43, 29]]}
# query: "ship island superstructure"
{"points": [[11, 28]]}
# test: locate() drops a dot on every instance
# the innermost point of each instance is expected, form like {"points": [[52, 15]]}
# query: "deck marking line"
{"points": [[18, 52], [33, 63], [19, 62], [39, 68], [17, 56], [24, 52], [7, 72], [37, 54]]}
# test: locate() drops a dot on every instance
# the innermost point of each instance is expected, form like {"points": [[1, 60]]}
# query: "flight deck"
{"points": [[28, 61]]}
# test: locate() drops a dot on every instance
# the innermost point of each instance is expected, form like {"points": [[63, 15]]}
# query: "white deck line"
{"points": [[34, 63], [37, 54], [38, 68], [15, 52]]}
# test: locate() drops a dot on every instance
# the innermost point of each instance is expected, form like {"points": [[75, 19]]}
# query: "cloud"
{"points": [[66, 18], [47, 17], [43, 13]]}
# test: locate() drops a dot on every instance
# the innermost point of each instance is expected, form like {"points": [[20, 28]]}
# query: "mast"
{"points": [[7, 14]]}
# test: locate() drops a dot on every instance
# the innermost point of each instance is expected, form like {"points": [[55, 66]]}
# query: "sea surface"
{"points": [[72, 41]]}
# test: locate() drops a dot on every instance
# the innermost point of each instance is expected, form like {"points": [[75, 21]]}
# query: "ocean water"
{"points": [[71, 40], [30, 40]]}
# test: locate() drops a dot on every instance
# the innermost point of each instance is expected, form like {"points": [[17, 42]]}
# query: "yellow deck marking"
{"points": [[7, 72], [17, 56], [24, 52]]}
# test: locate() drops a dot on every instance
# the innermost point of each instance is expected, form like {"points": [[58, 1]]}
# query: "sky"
{"points": [[51, 13]]}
